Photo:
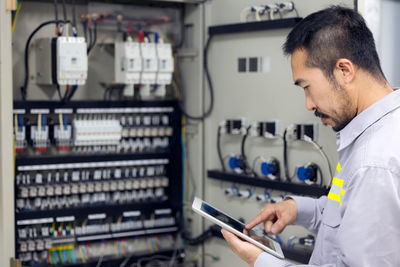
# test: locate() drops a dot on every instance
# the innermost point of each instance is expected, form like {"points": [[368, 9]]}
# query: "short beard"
{"points": [[346, 118]]}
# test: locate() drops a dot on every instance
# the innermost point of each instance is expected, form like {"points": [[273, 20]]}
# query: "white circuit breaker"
{"points": [[63, 136], [96, 132], [61, 60], [128, 65], [150, 67], [165, 67], [72, 62]]}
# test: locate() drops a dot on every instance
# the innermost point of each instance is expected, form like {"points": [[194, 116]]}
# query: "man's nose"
{"points": [[310, 104]]}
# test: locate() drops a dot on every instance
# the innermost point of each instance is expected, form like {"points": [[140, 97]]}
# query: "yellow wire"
{"points": [[116, 247], [60, 118], [15, 17], [39, 122], [149, 245], [14, 139], [81, 252]]}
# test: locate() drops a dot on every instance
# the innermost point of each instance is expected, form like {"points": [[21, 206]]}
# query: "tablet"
{"points": [[264, 242]]}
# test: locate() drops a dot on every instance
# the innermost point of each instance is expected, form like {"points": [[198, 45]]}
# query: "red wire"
{"points": [[141, 36]]}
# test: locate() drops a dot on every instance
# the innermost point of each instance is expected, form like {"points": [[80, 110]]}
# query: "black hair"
{"points": [[334, 33]]}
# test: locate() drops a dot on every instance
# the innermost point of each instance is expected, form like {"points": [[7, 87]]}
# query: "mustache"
{"points": [[320, 114]]}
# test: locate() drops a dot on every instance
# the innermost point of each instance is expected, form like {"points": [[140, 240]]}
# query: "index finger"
{"points": [[266, 214]]}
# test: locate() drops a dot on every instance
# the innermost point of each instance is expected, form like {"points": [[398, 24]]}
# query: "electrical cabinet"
{"points": [[113, 190]]}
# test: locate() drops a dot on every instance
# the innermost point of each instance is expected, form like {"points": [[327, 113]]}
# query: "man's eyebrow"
{"points": [[298, 82]]}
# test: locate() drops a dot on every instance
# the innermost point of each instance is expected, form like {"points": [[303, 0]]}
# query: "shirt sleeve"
{"points": [[369, 233], [309, 212], [268, 260]]}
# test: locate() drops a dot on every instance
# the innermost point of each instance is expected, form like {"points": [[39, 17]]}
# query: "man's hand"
{"points": [[276, 217], [245, 250]]}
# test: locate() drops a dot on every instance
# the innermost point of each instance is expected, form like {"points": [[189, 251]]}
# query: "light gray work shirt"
{"points": [[358, 223]]}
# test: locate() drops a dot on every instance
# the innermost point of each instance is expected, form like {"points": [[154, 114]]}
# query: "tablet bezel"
{"points": [[196, 206]]}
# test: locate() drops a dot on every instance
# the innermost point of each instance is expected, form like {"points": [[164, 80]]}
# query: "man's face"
{"points": [[329, 101]]}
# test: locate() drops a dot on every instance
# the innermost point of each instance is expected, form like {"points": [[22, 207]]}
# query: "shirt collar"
{"points": [[366, 118]]}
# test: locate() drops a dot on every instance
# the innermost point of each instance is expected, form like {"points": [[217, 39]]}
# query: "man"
{"points": [[334, 59]]}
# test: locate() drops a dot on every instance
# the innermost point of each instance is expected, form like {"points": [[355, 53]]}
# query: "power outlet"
{"points": [[307, 132]]}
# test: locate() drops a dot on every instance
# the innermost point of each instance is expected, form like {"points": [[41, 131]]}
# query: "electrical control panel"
{"points": [[107, 185], [82, 129]]}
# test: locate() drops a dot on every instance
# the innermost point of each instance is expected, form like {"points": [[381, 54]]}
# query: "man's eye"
{"points": [[306, 87]]}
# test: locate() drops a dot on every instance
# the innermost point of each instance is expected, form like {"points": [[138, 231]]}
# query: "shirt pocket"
{"points": [[331, 216], [331, 220]]}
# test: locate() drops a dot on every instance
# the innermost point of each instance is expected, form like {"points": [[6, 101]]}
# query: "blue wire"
{"points": [[156, 37], [44, 120], [65, 122], [73, 256], [65, 255], [152, 244], [119, 248], [20, 122], [55, 257]]}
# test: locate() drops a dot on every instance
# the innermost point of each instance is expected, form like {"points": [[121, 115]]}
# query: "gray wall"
{"points": [[388, 40]]}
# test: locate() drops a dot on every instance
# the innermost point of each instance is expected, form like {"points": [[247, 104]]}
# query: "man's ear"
{"points": [[345, 70]]}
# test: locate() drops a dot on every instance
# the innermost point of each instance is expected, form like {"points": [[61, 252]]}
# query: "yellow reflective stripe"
{"points": [[338, 167], [334, 197], [337, 182], [343, 191]]}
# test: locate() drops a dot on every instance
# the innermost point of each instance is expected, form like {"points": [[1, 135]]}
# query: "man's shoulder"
{"points": [[382, 143]]}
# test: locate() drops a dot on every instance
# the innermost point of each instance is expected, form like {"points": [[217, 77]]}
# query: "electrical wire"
{"points": [[24, 88], [56, 15], [59, 91], [285, 160], [176, 248], [295, 10], [323, 154], [321, 180], [213, 230], [198, 256], [246, 165], [15, 16], [102, 255], [73, 14], [94, 33], [182, 39], [84, 26], [210, 86], [150, 259], [64, 10], [221, 159], [92, 36]]}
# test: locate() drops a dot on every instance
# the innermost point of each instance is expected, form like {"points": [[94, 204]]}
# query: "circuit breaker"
{"points": [[150, 66], [128, 65], [165, 67], [61, 60]]}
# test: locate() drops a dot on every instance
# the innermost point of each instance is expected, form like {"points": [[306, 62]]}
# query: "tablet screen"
{"points": [[234, 224]]}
